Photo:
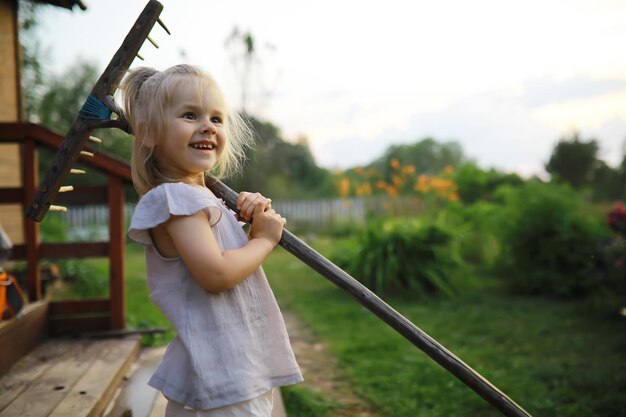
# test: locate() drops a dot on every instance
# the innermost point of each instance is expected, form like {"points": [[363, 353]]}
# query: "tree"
{"points": [[607, 183], [427, 156], [32, 77], [476, 184], [280, 169], [65, 94], [574, 161]]}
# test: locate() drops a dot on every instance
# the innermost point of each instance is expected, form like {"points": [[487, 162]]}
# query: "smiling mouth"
{"points": [[203, 146]]}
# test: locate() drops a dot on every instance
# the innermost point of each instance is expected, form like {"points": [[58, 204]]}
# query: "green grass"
{"points": [[305, 402], [552, 358]]}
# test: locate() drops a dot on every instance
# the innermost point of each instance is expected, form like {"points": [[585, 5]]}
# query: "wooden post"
{"points": [[117, 244], [10, 96], [30, 177]]}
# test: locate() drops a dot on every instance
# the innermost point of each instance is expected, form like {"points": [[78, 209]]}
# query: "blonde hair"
{"points": [[146, 94]]}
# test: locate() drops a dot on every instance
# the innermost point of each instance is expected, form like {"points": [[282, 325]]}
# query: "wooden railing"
{"points": [[81, 314]]}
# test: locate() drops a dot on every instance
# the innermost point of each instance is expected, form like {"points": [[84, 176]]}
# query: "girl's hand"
{"points": [[247, 204], [267, 225]]}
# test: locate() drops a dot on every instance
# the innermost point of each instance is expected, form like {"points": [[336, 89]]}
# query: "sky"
{"points": [[504, 79]]}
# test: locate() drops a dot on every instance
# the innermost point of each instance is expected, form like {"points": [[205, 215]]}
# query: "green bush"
{"points": [[548, 236], [401, 257], [53, 228], [476, 232], [83, 278]]}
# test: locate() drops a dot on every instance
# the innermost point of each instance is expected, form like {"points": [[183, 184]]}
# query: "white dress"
{"points": [[231, 346]]}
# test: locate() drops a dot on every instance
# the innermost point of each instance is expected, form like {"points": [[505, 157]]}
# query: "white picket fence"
{"points": [[91, 222]]}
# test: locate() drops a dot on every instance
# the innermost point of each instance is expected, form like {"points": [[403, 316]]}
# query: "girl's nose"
{"points": [[208, 127]]}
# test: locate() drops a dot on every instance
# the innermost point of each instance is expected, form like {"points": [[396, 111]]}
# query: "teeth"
{"points": [[208, 146]]}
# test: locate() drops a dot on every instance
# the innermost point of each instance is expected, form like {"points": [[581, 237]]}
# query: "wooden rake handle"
{"points": [[386, 313], [78, 134]]}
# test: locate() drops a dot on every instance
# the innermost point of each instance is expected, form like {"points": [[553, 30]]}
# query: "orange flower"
{"points": [[423, 184], [391, 190], [397, 181], [344, 187], [395, 164], [381, 185], [448, 169], [409, 169], [358, 170]]}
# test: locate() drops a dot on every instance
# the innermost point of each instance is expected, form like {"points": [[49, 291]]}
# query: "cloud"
{"points": [[540, 91], [504, 129]]}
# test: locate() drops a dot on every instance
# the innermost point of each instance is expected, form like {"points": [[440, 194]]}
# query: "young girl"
{"points": [[204, 274]]}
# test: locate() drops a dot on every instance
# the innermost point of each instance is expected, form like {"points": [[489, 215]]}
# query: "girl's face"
{"points": [[194, 136]]}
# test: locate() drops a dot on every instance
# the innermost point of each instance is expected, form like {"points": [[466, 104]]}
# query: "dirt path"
{"points": [[320, 370]]}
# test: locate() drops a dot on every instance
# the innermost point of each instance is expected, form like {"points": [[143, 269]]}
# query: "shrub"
{"points": [[548, 240], [476, 234], [402, 257]]}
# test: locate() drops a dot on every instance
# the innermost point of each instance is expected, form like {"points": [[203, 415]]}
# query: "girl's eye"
{"points": [[216, 120], [189, 116]]}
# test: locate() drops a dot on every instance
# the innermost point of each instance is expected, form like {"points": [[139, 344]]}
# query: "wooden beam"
{"points": [[11, 195], [79, 324], [94, 305], [18, 252], [30, 175], [19, 132], [74, 250], [83, 196], [65, 250], [117, 241]]}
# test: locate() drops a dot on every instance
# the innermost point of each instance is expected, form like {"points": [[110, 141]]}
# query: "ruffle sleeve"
{"points": [[171, 199]]}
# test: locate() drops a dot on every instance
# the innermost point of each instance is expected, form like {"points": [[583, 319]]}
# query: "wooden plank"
{"points": [[158, 410], [10, 100], [75, 325], [12, 220], [19, 336], [10, 165], [135, 395], [43, 395], [18, 252], [31, 368], [82, 196], [65, 250], [117, 239], [74, 250], [11, 194], [93, 391], [94, 305]]}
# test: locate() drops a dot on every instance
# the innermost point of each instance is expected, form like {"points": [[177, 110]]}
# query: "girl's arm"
{"points": [[218, 270]]}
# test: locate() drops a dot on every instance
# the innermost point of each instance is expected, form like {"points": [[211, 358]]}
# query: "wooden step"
{"points": [[21, 335], [67, 378], [135, 397]]}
